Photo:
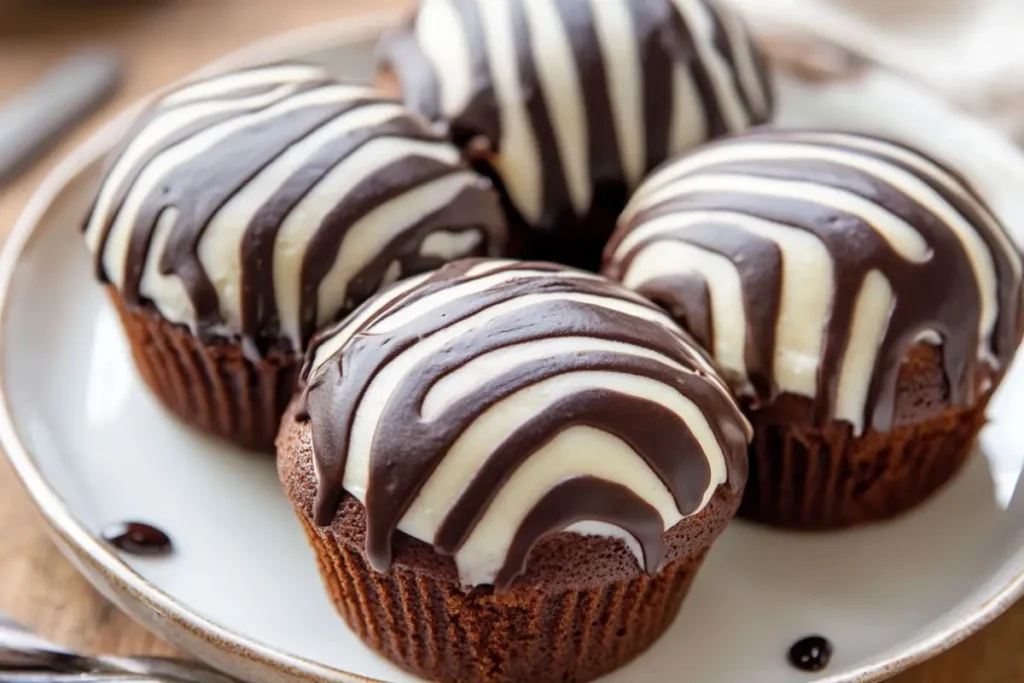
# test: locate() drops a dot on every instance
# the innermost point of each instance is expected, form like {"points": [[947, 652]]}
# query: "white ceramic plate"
{"points": [[241, 590]]}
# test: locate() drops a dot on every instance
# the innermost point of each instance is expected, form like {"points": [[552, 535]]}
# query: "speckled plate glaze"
{"points": [[241, 590]]}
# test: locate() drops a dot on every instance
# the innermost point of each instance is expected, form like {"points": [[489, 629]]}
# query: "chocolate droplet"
{"points": [[137, 538], [811, 654]]}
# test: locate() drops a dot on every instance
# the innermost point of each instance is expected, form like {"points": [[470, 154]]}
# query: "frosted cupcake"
{"points": [[510, 471], [244, 212], [860, 298], [568, 105]]}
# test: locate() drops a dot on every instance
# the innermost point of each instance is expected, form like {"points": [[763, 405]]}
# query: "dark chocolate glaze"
{"points": [[406, 449], [584, 499], [940, 294], [198, 188], [664, 42], [137, 538], [810, 654]]}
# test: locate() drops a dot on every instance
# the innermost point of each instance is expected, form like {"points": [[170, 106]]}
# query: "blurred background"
{"points": [[969, 50], [66, 59]]}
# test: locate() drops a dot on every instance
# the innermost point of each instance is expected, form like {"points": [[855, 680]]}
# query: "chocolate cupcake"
{"points": [[246, 211], [510, 471], [859, 297], [568, 105]]}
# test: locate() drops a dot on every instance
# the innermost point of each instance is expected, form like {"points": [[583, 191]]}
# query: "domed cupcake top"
{"points": [[574, 94], [810, 262], [489, 404], [264, 203]]}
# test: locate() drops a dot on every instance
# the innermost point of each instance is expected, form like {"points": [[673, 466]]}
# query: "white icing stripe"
{"points": [[441, 243], [689, 116], [202, 117], [229, 83], [219, 248], [750, 80], [116, 252], [938, 174], [162, 128], [519, 162], [913, 187], [468, 288], [368, 236], [299, 227], [665, 259], [354, 322], [803, 310], [480, 371], [874, 304], [442, 37], [173, 295], [723, 82], [573, 452], [616, 36], [807, 279], [563, 95], [900, 235]]}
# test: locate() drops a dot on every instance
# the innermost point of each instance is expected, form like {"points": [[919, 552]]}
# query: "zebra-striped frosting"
{"points": [[488, 404], [578, 99], [809, 262], [264, 203]]}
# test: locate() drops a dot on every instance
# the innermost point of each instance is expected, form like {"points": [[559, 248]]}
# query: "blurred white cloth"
{"points": [[971, 51]]}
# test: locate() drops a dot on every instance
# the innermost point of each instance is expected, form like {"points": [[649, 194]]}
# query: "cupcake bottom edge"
{"points": [[214, 388], [825, 478], [433, 629]]}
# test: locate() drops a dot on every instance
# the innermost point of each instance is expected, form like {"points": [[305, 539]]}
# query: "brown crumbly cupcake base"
{"points": [[212, 387], [822, 478], [582, 609]]}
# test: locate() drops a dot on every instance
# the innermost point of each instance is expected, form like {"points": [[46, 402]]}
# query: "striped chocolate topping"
{"points": [[809, 262], [265, 203], [491, 403], [579, 99]]}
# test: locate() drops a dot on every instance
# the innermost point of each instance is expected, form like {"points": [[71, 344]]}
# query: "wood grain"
{"points": [[163, 40]]}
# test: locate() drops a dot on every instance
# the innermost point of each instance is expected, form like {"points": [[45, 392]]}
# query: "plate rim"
{"points": [[82, 547], [72, 536]]}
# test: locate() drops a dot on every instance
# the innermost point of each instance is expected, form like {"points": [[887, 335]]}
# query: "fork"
{"points": [[28, 658]]}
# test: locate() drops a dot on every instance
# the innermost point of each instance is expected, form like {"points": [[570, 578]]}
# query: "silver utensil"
{"points": [[34, 120], [27, 658]]}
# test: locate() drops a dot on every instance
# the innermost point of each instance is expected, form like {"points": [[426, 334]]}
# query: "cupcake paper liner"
{"points": [[212, 387], [822, 478], [433, 629]]}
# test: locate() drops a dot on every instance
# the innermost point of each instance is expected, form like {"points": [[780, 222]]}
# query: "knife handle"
{"points": [[35, 119]]}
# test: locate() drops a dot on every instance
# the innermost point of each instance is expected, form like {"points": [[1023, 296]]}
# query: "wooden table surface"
{"points": [[163, 40]]}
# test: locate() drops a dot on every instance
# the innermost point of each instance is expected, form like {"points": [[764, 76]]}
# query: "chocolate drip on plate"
{"points": [[137, 538], [812, 653]]}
